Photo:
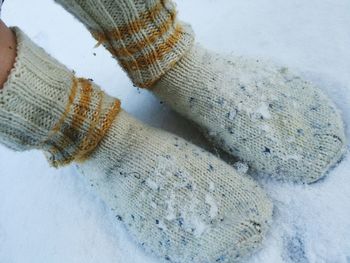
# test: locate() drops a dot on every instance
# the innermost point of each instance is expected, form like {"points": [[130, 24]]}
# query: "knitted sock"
{"points": [[143, 35], [177, 200], [261, 113], [274, 120]]}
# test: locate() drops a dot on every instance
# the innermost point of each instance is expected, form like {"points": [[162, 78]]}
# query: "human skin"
{"points": [[7, 52]]}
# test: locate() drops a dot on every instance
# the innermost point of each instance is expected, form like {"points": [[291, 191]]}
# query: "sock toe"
{"points": [[177, 200], [266, 116], [316, 132]]}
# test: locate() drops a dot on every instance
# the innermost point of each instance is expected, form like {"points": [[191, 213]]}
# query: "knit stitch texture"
{"points": [[145, 36], [177, 201], [278, 123], [48, 108]]}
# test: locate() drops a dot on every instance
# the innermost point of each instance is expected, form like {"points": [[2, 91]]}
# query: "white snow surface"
{"points": [[49, 215]]}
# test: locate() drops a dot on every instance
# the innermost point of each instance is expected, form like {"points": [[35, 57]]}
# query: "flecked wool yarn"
{"points": [[178, 201], [43, 106], [144, 36], [278, 123], [275, 121]]}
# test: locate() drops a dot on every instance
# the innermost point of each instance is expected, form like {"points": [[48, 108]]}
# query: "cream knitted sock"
{"points": [[177, 200], [143, 35], [278, 123]]}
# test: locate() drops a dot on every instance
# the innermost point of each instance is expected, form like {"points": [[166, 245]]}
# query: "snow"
{"points": [[211, 187], [162, 225], [263, 111], [152, 184], [198, 227], [214, 209], [241, 167], [232, 115], [170, 208], [49, 215]]}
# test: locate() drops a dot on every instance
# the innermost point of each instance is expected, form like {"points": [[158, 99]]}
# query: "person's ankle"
{"points": [[7, 52]]}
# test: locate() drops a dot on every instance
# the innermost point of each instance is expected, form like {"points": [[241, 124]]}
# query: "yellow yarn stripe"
{"points": [[132, 27], [132, 56], [90, 143], [79, 115], [143, 62], [98, 126], [130, 49], [71, 98], [94, 139], [58, 125]]}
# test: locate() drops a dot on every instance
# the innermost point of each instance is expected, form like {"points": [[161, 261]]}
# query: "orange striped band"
{"points": [[69, 147]]}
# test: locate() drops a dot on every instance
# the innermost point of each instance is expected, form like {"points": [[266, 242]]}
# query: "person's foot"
{"points": [[277, 122], [262, 114], [178, 201]]}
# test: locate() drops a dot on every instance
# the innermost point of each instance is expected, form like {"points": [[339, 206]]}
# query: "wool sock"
{"points": [[143, 35], [176, 200], [263, 114], [280, 124]]}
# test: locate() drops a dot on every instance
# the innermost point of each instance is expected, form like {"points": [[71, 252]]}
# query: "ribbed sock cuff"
{"points": [[145, 36], [43, 106]]}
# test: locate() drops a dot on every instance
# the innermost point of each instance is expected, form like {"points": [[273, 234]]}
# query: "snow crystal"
{"points": [[265, 127], [162, 225], [292, 157], [200, 228], [170, 207], [232, 114], [211, 186], [196, 226], [263, 111], [152, 184], [213, 206], [240, 167]]}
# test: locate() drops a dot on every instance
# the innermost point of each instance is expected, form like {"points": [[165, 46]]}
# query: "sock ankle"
{"points": [[146, 37]]}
